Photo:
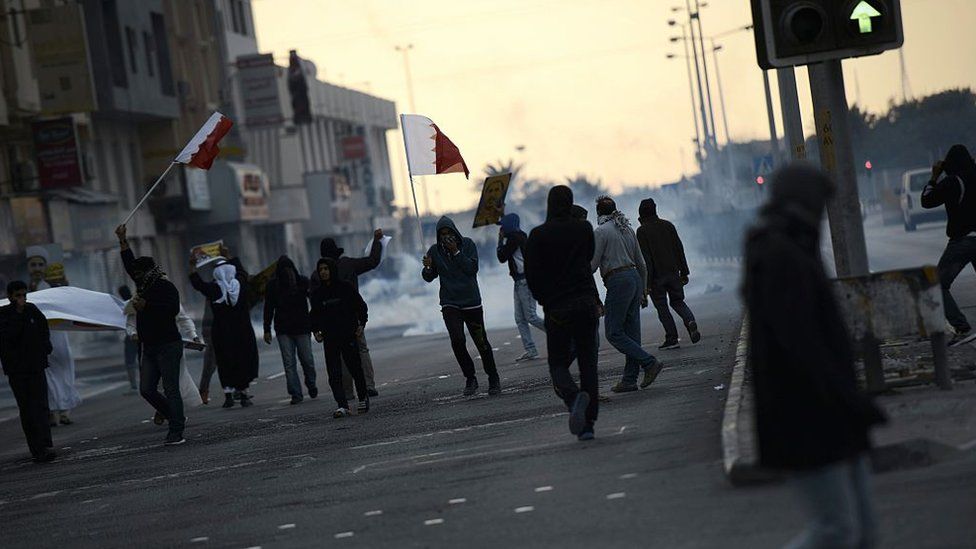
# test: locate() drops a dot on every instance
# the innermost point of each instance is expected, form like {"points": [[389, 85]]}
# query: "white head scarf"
{"points": [[226, 277]]}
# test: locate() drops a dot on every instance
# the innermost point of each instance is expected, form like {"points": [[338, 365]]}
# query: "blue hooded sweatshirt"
{"points": [[458, 273]]}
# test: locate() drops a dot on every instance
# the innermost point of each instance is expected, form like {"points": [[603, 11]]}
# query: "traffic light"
{"points": [[869, 168], [800, 32], [760, 180]]}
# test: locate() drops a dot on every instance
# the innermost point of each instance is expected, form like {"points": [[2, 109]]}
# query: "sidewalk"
{"points": [[926, 426]]}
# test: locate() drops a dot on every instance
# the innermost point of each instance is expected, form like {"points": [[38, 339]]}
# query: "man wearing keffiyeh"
{"points": [[157, 302]]}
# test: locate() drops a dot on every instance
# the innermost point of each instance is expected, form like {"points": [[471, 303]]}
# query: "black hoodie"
{"points": [[286, 300], [660, 246], [458, 273], [957, 190], [25, 340], [337, 307], [558, 254], [809, 412]]}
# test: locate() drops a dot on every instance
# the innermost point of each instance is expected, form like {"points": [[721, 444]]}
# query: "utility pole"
{"points": [[413, 109], [708, 87], [773, 138], [701, 94], [790, 106], [837, 158]]}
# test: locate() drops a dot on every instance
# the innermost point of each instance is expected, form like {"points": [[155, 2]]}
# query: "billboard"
{"points": [[59, 49], [259, 90], [254, 189], [56, 152]]}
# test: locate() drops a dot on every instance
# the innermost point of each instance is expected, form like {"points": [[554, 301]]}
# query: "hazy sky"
{"points": [[584, 85]]}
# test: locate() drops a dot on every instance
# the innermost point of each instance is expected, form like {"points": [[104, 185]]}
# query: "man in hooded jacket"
{"points": [[957, 192], [667, 272], [511, 250], [349, 269], [286, 307], [557, 271], [811, 420], [454, 260]]}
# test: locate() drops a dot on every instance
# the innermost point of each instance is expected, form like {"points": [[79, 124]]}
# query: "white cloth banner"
{"points": [[383, 242], [75, 309]]}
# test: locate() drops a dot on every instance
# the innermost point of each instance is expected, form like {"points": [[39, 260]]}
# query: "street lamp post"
{"points": [[701, 94], [691, 90], [692, 17]]}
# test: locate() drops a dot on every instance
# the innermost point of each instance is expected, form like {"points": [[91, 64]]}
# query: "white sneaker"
{"points": [[340, 413], [527, 356]]}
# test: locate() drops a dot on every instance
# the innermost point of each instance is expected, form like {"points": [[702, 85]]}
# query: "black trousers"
{"points": [[572, 331], [339, 350], [30, 391], [667, 289], [455, 320]]}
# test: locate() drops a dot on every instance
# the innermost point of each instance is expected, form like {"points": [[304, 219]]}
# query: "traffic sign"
{"points": [[762, 165]]}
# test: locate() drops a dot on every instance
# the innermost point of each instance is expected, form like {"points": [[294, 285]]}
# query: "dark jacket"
{"points": [[287, 305], [957, 191], [662, 249], [337, 310], [156, 323], [809, 412], [25, 340], [558, 255], [349, 268], [511, 246], [458, 273]]}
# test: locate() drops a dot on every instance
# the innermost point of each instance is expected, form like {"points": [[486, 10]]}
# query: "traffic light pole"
{"points": [[790, 106], [773, 139], [837, 158]]}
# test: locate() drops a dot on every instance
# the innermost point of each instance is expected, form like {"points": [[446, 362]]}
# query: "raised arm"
{"points": [[429, 273], [209, 290], [362, 265]]}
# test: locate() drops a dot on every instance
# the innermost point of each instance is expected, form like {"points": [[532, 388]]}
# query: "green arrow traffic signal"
{"points": [[863, 12]]}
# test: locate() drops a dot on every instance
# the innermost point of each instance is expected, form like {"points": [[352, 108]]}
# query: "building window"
{"points": [[162, 55], [130, 38], [150, 46], [113, 39], [233, 16], [242, 13]]}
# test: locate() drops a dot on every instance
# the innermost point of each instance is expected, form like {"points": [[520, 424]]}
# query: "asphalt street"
{"points": [[429, 468]]}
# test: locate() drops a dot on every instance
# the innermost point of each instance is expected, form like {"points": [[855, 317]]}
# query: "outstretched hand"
{"points": [[378, 234]]}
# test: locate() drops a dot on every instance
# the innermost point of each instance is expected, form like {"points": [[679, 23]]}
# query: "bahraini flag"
{"points": [[201, 151], [429, 151]]}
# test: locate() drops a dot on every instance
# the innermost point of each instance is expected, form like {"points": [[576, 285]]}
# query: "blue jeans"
{"points": [[526, 315], [290, 345], [958, 253], [622, 322], [163, 362], [838, 500]]}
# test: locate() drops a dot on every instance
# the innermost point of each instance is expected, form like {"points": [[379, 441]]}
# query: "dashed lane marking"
{"points": [[433, 522], [342, 535], [616, 495], [412, 438], [544, 489], [201, 539], [375, 513], [275, 376], [286, 527], [628, 476], [526, 509], [457, 501]]}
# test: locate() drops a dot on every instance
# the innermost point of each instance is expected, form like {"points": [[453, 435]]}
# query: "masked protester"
{"points": [[25, 343], [667, 273], [235, 347], [348, 269], [957, 192], [621, 264], [454, 260], [511, 250], [811, 420], [286, 306], [557, 270], [157, 303], [338, 317]]}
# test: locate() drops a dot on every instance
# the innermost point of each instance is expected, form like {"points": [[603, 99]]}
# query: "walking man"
{"points": [[157, 302], [810, 418], [454, 260], [338, 316], [511, 250], [348, 270], [558, 273], [621, 264], [957, 191], [667, 273], [286, 304], [25, 343]]}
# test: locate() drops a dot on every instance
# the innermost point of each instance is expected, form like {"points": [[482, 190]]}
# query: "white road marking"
{"points": [[46, 494], [375, 513], [443, 377], [616, 495], [254, 547], [628, 476], [286, 527], [433, 522], [544, 489], [85, 395], [89, 501], [458, 430], [200, 539], [526, 509], [508, 343], [968, 446], [275, 376], [342, 535], [457, 501]]}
